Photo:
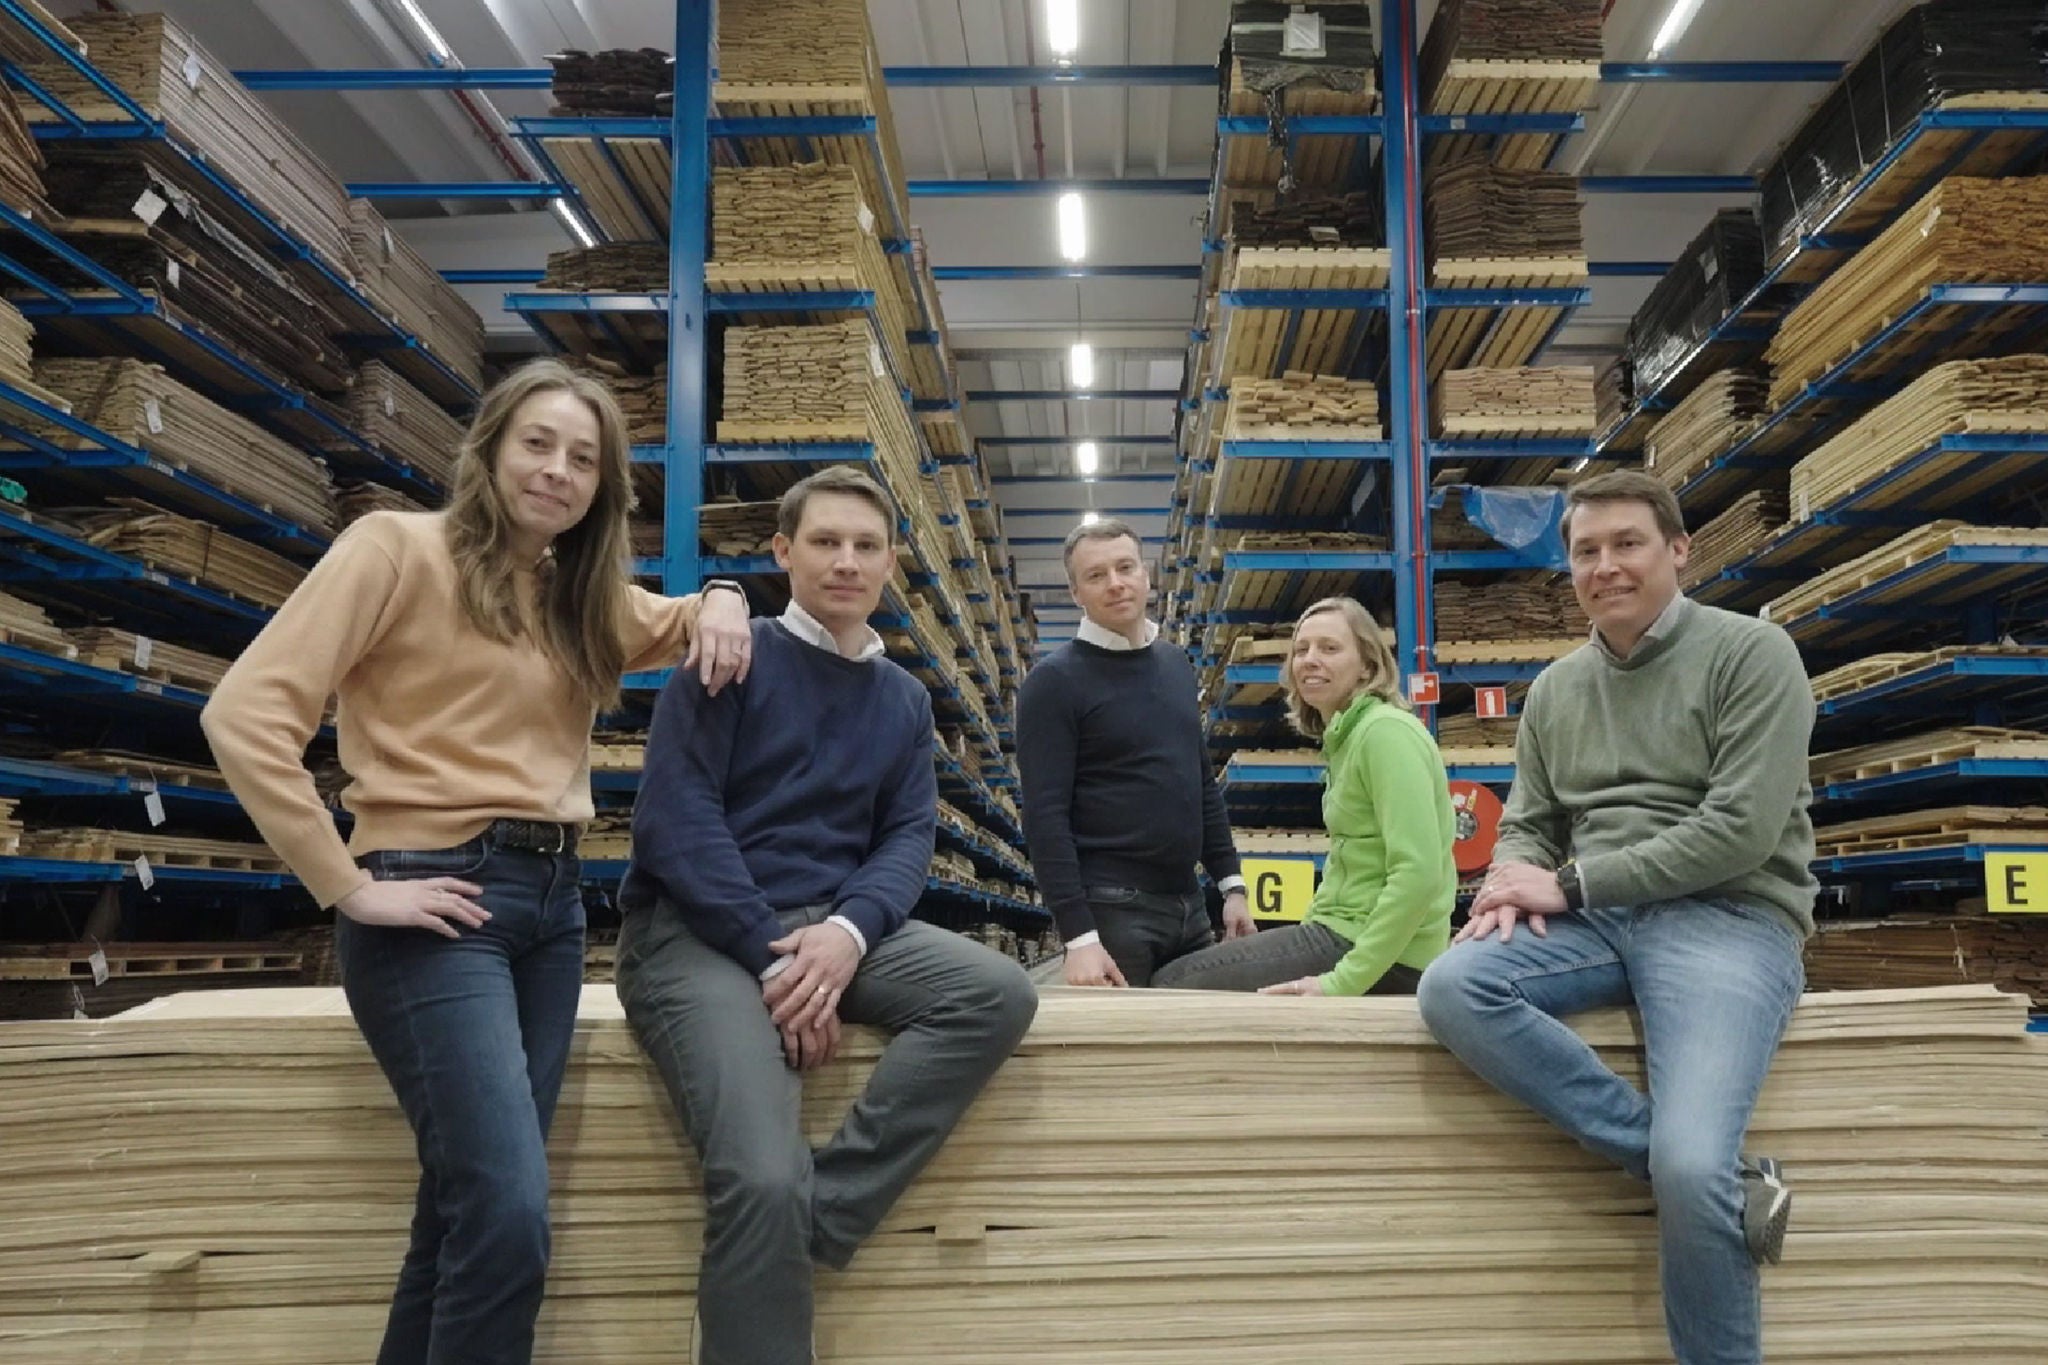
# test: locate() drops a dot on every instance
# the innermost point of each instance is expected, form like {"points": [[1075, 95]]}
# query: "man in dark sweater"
{"points": [[783, 833], [1119, 797]]}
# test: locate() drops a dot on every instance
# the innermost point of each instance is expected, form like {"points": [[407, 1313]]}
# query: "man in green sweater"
{"points": [[1656, 847]]}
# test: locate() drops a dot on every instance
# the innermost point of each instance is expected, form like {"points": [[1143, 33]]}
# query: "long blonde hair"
{"points": [[1381, 679], [582, 592]]}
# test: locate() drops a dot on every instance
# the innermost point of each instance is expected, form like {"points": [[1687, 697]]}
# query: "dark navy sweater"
{"points": [[810, 783]]}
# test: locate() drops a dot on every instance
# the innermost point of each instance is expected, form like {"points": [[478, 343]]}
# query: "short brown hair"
{"points": [[1109, 528], [1625, 485], [1382, 677], [838, 478]]}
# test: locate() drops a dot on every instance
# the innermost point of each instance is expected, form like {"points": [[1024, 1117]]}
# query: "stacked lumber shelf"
{"points": [[1549, 401], [1300, 406], [356, 499], [1905, 953], [1253, 337], [17, 335], [127, 652], [1467, 731], [1942, 1086], [1964, 231], [403, 286], [1491, 228], [1704, 425], [162, 850], [1318, 86], [1746, 527], [1535, 613], [736, 528], [21, 160], [1877, 668], [28, 625], [194, 550], [1948, 827], [10, 829], [611, 268], [163, 771], [141, 405], [20, 46], [624, 183], [1932, 749], [1510, 57], [388, 412], [1914, 547]]}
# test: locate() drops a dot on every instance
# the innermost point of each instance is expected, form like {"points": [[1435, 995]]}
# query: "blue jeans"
{"points": [[1714, 983], [473, 1034]]}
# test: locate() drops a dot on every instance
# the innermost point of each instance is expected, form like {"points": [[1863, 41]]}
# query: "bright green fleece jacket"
{"points": [[1389, 882], [1679, 771]]}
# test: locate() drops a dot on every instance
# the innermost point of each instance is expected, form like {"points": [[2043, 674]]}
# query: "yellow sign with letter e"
{"points": [[1279, 888], [2016, 883]]}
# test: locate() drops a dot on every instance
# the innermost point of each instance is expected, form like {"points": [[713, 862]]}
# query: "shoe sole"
{"points": [[1768, 1245]]}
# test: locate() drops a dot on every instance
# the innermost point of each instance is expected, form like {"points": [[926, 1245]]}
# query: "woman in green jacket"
{"points": [[1383, 911]]}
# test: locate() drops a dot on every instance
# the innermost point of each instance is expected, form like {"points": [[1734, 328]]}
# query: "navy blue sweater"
{"points": [[810, 783]]}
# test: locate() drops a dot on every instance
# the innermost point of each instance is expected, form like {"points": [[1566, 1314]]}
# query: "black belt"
{"points": [[532, 836]]}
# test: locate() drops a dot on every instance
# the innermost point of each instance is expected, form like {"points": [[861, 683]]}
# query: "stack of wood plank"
{"points": [[1522, 401], [1952, 745], [1738, 532], [1311, 220], [17, 359], [10, 829], [1451, 529], [1877, 668], [124, 651], [158, 64], [1467, 731], [736, 528], [614, 267], [21, 47], [209, 1233], [1528, 610], [623, 82], [644, 400], [2009, 394], [21, 160], [25, 623], [401, 283], [164, 771], [404, 423], [1949, 827], [356, 499], [139, 404], [1478, 211], [162, 850], [1515, 31], [1964, 231], [1298, 406], [195, 550], [1705, 424], [57, 982], [2010, 953], [1894, 556]]}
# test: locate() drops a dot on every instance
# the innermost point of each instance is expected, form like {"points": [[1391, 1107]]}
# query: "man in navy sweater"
{"points": [[783, 833]]}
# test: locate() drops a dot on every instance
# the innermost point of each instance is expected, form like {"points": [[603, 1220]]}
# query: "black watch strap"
{"points": [[1568, 882], [726, 583]]}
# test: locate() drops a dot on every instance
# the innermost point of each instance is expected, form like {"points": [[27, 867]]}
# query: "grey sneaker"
{"points": [[1766, 1209]]}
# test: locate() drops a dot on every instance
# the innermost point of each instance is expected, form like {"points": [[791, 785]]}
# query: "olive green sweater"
{"points": [[1678, 771], [1389, 882]]}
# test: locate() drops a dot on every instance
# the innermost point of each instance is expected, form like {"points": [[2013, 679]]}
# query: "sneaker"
{"points": [[1766, 1209], [696, 1338]]}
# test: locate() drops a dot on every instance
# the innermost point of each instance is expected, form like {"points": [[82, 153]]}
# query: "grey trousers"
{"points": [[774, 1208], [1143, 932], [1270, 957]]}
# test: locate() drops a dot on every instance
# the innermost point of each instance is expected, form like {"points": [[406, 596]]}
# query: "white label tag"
{"points": [[154, 805], [98, 963], [1710, 265], [1323, 232], [150, 206], [875, 359], [153, 416], [144, 873], [1301, 35], [172, 274], [145, 650], [390, 245], [867, 218], [390, 406], [193, 70]]}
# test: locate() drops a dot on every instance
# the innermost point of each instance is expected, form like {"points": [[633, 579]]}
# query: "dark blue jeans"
{"points": [[473, 1034]]}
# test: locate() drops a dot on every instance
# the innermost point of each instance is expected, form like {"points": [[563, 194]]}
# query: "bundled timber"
{"points": [[736, 528], [358, 498], [1737, 533], [162, 850], [1477, 211], [1524, 401], [158, 64], [16, 336], [1346, 220], [1925, 751], [1877, 668], [1263, 81], [10, 829], [21, 47], [1300, 406], [141, 405], [1706, 424], [1514, 31], [1614, 391], [1964, 231], [613, 268], [1509, 56], [404, 423], [1450, 528], [1525, 610], [1949, 827], [1909, 1119], [2009, 952], [403, 286], [621, 82], [21, 160], [163, 771], [24, 623], [124, 651], [195, 550], [57, 982], [1963, 397], [1467, 731], [1895, 556]]}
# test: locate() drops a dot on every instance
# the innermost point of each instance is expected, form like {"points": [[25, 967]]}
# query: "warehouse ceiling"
{"points": [[1014, 335]]}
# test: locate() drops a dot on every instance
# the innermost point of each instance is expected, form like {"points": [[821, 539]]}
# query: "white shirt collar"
{"points": [[1666, 620], [805, 627], [1102, 637]]}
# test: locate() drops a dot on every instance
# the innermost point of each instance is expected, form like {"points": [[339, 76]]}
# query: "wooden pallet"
{"points": [[1504, 651], [1929, 750], [73, 961], [1915, 547], [1950, 826], [1877, 668], [1478, 755], [118, 650], [162, 850], [162, 771]]}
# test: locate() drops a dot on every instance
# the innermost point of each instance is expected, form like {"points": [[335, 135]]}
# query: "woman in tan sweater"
{"points": [[471, 650]]}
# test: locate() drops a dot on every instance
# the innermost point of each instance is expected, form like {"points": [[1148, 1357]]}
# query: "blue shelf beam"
{"points": [[494, 276], [1722, 73], [1667, 184]]}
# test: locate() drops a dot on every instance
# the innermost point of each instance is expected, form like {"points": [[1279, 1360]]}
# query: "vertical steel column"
{"points": [[1407, 408], [688, 323]]}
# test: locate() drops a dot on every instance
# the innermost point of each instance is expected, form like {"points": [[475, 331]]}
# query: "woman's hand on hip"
{"points": [[436, 903]]}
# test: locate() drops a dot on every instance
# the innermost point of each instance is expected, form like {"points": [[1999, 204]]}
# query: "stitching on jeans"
{"points": [[1538, 973]]}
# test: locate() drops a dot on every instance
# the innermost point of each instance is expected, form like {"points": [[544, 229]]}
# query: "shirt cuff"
{"points": [[1087, 940], [860, 940], [1230, 884], [776, 968]]}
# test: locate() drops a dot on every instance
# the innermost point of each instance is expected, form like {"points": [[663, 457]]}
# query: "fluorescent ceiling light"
{"points": [[1073, 220], [1676, 21], [1081, 364], [1090, 518], [1063, 26], [430, 35], [572, 220], [1087, 457]]}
